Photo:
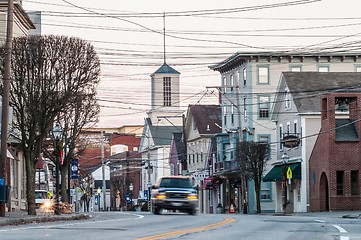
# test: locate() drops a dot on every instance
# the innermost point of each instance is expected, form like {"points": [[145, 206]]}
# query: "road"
{"points": [[145, 226]]}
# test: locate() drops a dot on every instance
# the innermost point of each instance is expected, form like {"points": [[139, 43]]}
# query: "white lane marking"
{"points": [[72, 224], [344, 238], [340, 229], [321, 221]]}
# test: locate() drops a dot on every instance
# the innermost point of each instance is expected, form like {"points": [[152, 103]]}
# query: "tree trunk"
{"points": [[257, 188], [64, 177], [30, 186]]}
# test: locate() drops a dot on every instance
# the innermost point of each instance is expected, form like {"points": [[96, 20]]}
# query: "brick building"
{"points": [[335, 163]]}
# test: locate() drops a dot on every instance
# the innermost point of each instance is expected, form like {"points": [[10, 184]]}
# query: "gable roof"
{"points": [[306, 88], [206, 117], [165, 68], [179, 144], [162, 135]]}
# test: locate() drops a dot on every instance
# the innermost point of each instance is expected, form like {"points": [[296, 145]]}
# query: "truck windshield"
{"points": [[41, 195], [176, 182]]}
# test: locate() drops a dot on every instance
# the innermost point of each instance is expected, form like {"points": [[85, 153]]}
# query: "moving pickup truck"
{"points": [[42, 199], [174, 193]]}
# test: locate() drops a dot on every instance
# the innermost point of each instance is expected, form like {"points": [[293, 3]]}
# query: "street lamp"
{"points": [[131, 188], [57, 134], [284, 159], [99, 191]]}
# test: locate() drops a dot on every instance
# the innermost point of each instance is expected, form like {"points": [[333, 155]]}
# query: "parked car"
{"points": [[42, 200], [174, 193]]}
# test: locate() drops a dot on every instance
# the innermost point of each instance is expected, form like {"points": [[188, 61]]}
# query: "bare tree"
{"points": [[49, 75], [252, 158], [82, 113]]}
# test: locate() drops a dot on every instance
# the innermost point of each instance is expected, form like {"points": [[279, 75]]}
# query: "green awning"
{"points": [[276, 172]]}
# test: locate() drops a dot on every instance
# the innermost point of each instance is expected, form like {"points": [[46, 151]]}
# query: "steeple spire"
{"points": [[164, 36]]}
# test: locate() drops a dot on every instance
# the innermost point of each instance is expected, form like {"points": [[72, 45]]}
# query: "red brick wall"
{"points": [[130, 140], [329, 156]]}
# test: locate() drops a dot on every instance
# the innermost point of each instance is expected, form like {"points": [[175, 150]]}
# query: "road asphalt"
{"points": [[21, 217]]}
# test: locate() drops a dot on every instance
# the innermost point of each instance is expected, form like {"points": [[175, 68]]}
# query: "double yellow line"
{"points": [[228, 220]]}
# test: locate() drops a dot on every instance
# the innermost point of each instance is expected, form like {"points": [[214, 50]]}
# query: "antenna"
{"points": [[164, 35]]}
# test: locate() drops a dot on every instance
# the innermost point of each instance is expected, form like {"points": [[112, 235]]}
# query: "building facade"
{"points": [[248, 87], [201, 126], [335, 162]]}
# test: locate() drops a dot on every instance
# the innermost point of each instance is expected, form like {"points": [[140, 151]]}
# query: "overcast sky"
{"points": [[129, 41]]}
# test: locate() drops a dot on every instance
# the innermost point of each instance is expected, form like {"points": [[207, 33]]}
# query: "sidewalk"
{"points": [[332, 214], [22, 217]]}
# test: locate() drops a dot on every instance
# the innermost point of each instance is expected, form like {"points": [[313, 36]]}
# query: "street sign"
{"points": [[291, 141], [74, 169], [200, 176], [127, 198], [96, 200], [146, 195], [289, 173]]}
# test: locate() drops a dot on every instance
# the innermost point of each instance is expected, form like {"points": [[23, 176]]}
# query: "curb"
{"points": [[40, 219]]}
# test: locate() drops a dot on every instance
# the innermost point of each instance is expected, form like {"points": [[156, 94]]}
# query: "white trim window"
{"points": [[232, 114], [167, 92], [287, 99], [225, 115], [244, 77], [323, 68], [263, 75], [263, 112], [224, 84], [281, 136], [288, 128], [296, 69], [231, 79], [245, 109]]}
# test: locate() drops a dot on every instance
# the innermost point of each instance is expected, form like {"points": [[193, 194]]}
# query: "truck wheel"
{"points": [[191, 211], [156, 211]]}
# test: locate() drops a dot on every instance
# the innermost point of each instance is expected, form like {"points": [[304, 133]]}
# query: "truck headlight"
{"points": [[47, 204], [160, 196], [192, 196]]}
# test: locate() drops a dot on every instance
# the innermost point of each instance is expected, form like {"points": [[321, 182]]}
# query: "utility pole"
{"points": [[6, 93], [149, 172], [104, 189]]}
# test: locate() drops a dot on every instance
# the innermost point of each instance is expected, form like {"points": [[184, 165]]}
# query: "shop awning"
{"points": [[276, 172]]}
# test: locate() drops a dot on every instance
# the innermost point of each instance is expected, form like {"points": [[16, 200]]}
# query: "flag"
{"points": [[61, 156]]}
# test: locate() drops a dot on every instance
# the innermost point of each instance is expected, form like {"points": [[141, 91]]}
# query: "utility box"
{"points": [[3, 193]]}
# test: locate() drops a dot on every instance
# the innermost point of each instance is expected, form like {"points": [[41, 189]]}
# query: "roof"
{"points": [[240, 57], [306, 88], [165, 68], [346, 130], [206, 117], [178, 141], [162, 135]]}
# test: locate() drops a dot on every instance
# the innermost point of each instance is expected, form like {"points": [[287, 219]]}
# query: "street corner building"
{"points": [[335, 163]]}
